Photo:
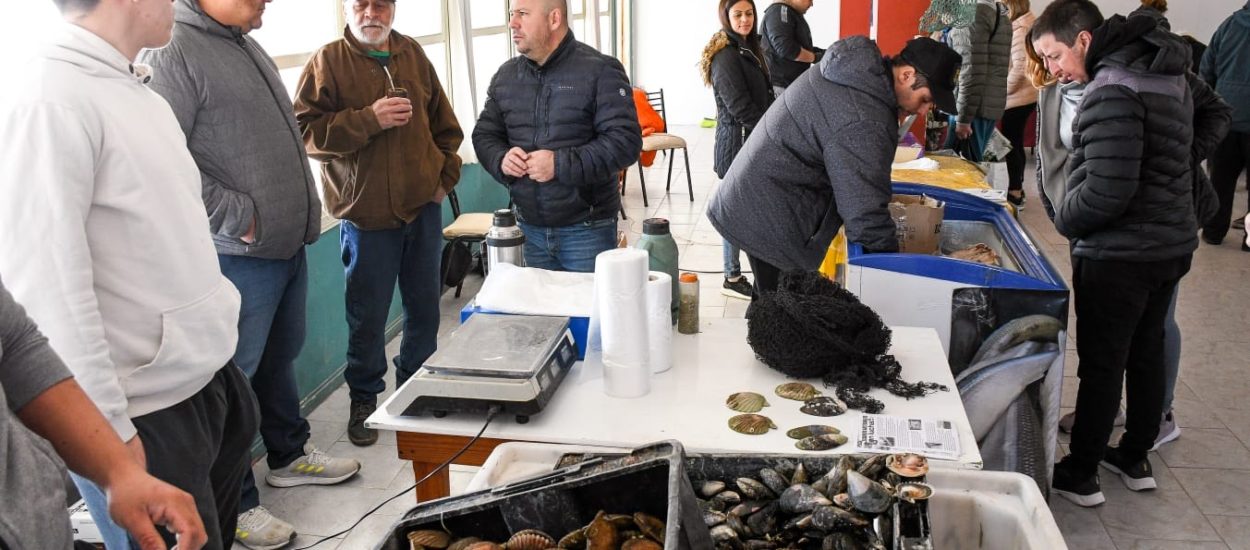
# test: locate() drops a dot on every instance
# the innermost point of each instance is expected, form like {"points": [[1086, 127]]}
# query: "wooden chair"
{"points": [[665, 143], [469, 228]]}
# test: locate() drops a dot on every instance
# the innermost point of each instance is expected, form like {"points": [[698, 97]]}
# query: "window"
{"points": [[492, 44], [290, 28]]}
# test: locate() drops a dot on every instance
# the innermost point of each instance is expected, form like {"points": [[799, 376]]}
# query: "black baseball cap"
{"points": [[938, 63]]}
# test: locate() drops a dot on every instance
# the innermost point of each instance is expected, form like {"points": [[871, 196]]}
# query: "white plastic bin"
{"points": [[970, 509]]}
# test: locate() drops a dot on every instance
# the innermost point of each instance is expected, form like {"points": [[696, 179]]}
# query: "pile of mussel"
{"points": [[636, 531], [789, 505]]}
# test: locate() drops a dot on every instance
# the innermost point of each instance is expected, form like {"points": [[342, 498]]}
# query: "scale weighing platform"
{"points": [[515, 362]]}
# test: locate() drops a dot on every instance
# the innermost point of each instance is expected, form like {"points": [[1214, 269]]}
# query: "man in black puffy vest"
{"points": [[558, 127], [1129, 215]]}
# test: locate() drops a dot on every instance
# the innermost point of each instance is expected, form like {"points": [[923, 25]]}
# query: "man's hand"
{"points": [[515, 162], [542, 166], [963, 130], [392, 111], [139, 502], [135, 446], [248, 238]]}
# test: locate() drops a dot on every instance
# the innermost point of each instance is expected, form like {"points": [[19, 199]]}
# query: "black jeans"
{"points": [[1120, 310], [767, 275], [1230, 160], [1014, 120]]}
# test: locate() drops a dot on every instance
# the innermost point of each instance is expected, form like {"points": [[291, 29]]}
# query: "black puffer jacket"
{"points": [[578, 104], [1130, 191], [743, 94], [785, 32]]}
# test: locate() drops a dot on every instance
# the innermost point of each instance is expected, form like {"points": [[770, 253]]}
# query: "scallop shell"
{"points": [[575, 539], [911, 491], [484, 545], [429, 539], [814, 429], [746, 402], [751, 424], [530, 539], [641, 544], [798, 391], [907, 464], [463, 544], [823, 406], [821, 442], [650, 526]]}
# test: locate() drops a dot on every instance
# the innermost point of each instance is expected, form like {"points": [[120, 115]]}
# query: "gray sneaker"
{"points": [[260, 530], [314, 468], [1066, 421], [1169, 431]]}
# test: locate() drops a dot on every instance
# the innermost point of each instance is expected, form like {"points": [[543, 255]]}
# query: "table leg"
{"points": [[428, 451]]}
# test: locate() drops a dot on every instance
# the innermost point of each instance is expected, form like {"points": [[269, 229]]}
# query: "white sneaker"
{"points": [[260, 530], [314, 468], [1168, 431]]}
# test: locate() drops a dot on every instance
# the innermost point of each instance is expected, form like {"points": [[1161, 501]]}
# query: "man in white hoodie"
{"points": [[105, 240]]}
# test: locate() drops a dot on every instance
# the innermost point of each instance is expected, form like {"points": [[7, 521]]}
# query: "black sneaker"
{"points": [[740, 289], [1084, 492], [1137, 476], [356, 430]]}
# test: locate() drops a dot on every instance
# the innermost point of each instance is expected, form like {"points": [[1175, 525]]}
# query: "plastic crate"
{"points": [[650, 479], [969, 510]]}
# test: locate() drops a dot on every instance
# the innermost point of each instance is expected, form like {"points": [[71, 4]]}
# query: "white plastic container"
{"points": [[969, 510]]}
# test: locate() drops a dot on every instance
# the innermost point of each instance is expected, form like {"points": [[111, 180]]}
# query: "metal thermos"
{"points": [[505, 243]]}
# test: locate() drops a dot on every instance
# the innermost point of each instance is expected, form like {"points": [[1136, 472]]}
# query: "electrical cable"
{"points": [[490, 415]]}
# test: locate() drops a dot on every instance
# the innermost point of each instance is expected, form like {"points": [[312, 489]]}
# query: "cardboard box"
{"points": [[82, 524], [917, 222]]}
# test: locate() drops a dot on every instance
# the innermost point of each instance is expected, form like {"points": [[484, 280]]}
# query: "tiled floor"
{"points": [[1203, 500]]}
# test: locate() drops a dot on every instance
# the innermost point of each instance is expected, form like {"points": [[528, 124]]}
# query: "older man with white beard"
{"points": [[371, 109]]}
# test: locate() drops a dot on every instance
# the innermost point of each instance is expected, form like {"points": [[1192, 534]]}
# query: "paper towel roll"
{"points": [[621, 298], [660, 321]]}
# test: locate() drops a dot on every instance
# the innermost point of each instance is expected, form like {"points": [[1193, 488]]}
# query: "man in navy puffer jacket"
{"points": [[558, 126]]}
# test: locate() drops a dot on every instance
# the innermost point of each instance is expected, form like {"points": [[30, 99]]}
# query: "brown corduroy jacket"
{"points": [[375, 178]]}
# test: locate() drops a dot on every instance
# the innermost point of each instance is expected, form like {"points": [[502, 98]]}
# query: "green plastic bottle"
{"points": [[661, 251]]}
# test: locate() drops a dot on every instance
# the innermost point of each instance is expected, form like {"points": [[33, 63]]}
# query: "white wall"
{"points": [[1198, 18], [670, 35]]}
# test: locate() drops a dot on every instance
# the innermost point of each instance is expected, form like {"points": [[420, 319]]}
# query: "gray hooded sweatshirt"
{"points": [[241, 130], [819, 158]]}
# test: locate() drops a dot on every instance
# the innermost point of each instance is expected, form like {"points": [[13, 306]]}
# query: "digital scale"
{"points": [[515, 362]]}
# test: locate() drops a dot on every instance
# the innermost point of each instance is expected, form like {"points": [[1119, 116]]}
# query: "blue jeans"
{"points": [[114, 537], [271, 335], [981, 130], [568, 248], [733, 266], [373, 262]]}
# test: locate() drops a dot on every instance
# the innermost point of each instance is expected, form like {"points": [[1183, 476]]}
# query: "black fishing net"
{"points": [[813, 328]]}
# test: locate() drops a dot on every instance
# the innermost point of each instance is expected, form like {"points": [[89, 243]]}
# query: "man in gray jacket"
{"points": [[985, 47], [821, 156], [262, 208]]}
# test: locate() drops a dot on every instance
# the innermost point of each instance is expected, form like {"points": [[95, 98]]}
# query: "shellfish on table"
{"points": [[798, 391], [746, 402], [751, 424], [823, 406]]}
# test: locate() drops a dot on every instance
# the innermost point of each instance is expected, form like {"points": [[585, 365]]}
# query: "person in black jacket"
{"points": [[734, 67], [1129, 213], [558, 126], [788, 42]]}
